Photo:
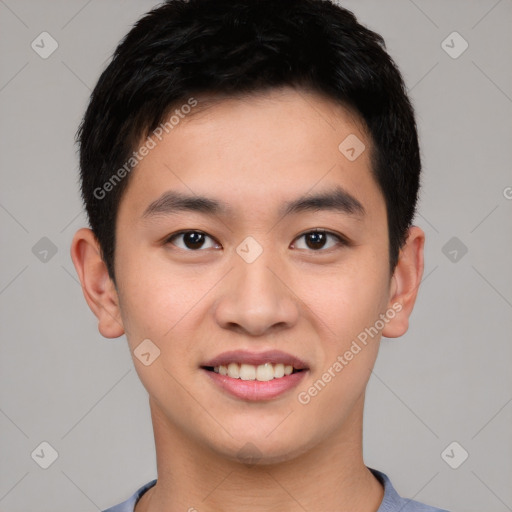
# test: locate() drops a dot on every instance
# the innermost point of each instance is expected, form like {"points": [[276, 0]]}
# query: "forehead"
{"points": [[279, 119], [255, 149]]}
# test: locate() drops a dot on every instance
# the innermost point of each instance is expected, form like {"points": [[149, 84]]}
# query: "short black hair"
{"points": [[238, 47]]}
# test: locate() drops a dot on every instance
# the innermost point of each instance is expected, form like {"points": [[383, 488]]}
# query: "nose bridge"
{"points": [[254, 277], [254, 297]]}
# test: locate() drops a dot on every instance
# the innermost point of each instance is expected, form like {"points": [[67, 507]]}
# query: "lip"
{"points": [[256, 358], [254, 390]]}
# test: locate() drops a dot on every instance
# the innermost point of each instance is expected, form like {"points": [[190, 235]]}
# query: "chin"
{"points": [[260, 450]]}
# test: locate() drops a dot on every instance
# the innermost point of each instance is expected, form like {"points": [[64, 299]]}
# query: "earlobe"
{"points": [[405, 283], [97, 286]]}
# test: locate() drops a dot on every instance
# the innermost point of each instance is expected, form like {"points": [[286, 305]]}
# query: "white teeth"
{"points": [[233, 370], [278, 371], [247, 372], [262, 372]]}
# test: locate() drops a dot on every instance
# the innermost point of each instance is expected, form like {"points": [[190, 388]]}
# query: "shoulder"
{"points": [[129, 504], [393, 502]]}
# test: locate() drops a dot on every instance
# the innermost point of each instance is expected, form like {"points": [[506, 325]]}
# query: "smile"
{"points": [[250, 375], [263, 372]]}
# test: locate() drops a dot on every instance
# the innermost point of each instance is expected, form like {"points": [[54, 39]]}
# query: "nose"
{"points": [[255, 298]]}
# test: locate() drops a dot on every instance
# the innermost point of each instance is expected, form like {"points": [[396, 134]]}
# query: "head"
{"points": [[274, 119]]}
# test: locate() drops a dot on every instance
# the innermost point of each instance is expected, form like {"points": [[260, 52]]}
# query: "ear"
{"points": [[97, 286], [405, 283]]}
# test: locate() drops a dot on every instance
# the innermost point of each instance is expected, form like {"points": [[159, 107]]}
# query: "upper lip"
{"points": [[256, 358]]}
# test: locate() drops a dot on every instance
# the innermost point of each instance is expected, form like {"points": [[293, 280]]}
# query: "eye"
{"points": [[191, 240], [318, 239]]}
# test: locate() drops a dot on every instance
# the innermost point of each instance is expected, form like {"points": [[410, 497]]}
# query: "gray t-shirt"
{"points": [[391, 502]]}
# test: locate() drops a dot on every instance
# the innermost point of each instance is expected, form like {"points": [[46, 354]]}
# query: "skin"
{"points": [[254, 153]]}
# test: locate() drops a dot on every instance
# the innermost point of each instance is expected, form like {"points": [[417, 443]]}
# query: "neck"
{"points": [[330, 476]]}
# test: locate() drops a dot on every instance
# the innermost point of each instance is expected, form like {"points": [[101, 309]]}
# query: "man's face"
{"points": [[253, 277]]}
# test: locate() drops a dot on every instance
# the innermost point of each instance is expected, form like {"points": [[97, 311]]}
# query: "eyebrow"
{"points": [[336, 199]]}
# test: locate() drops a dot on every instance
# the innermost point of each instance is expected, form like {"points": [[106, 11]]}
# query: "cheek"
{"points": [[349, 307], [156, 293], [348, 299], [156, 306]]}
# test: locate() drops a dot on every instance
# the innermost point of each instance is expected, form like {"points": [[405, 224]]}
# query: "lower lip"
{"points": [[254, 390]]}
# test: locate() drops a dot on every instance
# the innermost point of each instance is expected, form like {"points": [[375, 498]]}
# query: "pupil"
{"points": [[194, 240], [317, 238]]}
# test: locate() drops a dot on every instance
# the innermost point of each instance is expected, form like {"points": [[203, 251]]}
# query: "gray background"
{"points": [[448, 379]]}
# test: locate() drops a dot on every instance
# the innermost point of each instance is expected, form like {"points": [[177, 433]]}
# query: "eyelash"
{"points": [[341, 240]]}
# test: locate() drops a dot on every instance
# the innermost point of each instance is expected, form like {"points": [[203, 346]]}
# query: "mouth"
{"points": [[262, 373], [255, 376]]}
